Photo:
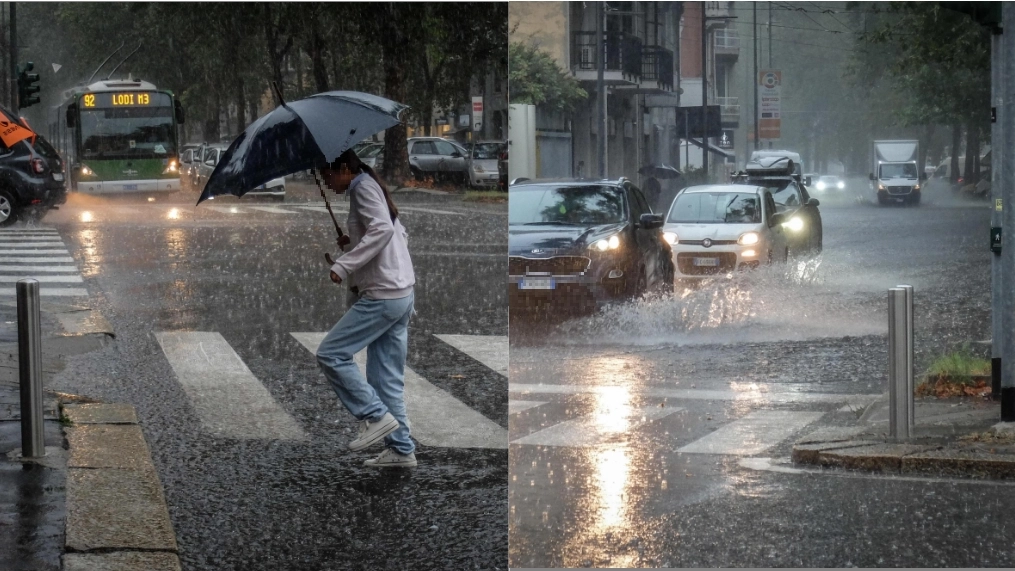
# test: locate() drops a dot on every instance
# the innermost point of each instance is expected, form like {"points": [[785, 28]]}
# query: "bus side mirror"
{"points": [[180, 118], [72, 116]]}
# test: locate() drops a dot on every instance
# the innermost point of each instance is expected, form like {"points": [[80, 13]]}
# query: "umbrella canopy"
{"points": [[659, 171], [298, 136]]}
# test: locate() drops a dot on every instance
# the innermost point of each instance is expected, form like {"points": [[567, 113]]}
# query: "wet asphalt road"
{"points": [[630, 430], [254, 277]]}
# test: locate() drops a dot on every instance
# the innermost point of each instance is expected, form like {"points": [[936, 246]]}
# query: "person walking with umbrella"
{"points": [[378, 270]]}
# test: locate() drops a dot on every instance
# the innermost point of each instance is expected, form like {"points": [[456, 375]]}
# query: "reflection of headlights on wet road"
{"points": [[174, 214], [748, 253], [748, 239], [795, 224], [611, 243], [670, 238], [820, 186]]}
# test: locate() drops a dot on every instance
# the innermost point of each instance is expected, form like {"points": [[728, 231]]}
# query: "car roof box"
{"points": [[770, 166]]}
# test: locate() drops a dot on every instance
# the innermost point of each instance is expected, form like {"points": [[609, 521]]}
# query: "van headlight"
{"points": [[820, 186], [670, 238], [841, 185], [748, 239], [795, 224], [611, 243], [881, 186]]}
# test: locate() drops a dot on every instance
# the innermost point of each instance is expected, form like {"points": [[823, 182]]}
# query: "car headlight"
{"points": [[841, 185], [820, 186], [477, 168], [748, 239], [795, 224], [670, 238], [611, 243]]}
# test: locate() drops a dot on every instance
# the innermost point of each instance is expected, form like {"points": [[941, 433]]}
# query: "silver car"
{"points": [[274, 188], [436, 158], [716, 230], [483, 157]]}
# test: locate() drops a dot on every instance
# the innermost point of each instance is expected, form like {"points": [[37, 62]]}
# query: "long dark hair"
{"points": [[351, 160]]}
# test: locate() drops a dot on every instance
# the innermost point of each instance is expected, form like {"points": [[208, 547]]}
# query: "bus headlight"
{"points": [[86, 171], [795, 224], [820, 185], [170, 168]]}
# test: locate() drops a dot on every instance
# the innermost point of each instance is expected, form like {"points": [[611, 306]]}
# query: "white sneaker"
{"points": [[373, 432], [391, 459]]}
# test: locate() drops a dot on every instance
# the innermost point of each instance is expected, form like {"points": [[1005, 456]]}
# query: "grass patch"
{"points": [[485, 196], [959, 373]]}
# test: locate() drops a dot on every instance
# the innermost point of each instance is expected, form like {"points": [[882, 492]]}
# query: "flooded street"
{"points": [[646, 435]]}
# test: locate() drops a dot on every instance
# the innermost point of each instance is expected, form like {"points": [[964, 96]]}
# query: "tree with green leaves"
{"points": [[536, 79]]}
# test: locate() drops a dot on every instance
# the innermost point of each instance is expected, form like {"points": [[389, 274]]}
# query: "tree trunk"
{"points": [[241, 116], [956, 141], [316, 52], [973, 175], [968, 174], [395, 51]]}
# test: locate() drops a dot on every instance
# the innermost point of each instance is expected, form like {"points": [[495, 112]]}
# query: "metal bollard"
{"points": [[900, 362], [30, 368]]}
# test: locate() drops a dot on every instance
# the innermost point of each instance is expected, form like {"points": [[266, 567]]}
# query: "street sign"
{"points": [[692, 115], [995, 240], [477, 113], [726, 139], [769, 104]]}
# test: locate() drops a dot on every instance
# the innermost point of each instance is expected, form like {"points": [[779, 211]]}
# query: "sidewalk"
{"points": [[94, 501], [955, 437]]}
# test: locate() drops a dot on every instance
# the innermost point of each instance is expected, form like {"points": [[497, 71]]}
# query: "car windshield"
{"points": [[907, 170], [487, 150], [370, 151], [45, 149], [567, 205], [716, 208]]}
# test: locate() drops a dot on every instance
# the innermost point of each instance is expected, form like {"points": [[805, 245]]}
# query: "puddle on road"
{"points": [[798, 302]]}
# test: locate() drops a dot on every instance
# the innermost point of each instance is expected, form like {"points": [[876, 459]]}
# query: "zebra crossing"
{"points": [[178, 211], [751, 434], [41, 254], [231, 402]]}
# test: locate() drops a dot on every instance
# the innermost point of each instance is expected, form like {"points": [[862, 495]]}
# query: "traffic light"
{"points": [[27, 86]]}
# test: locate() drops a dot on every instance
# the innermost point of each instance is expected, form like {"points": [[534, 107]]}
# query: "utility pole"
{"points": [[704, 91], [769, 35], [1007, 261], [997, 178], [757, 123], [601, 89], [14, 59]]}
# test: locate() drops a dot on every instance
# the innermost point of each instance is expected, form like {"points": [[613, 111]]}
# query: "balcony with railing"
{"points": [[623, 57], [727, 43], [729, 110], [657, 69]]}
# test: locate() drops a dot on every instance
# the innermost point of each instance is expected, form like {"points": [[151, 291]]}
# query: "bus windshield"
{"points": [[128, 132]]}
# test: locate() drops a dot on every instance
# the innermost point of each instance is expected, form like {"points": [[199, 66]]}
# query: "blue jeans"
{"points": [[380, 325]]}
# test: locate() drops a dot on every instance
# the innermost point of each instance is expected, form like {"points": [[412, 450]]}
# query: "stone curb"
{"points": [[117, 517]]}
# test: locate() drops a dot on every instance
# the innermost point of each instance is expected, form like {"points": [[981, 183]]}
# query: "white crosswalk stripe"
{"points": [[753, 434], [490, 350], [590, 431], [436, 417], [47, 253], [516, 406]]}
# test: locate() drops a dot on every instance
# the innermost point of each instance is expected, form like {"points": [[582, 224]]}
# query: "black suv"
{"points": [[31, 177], [578, 244]]}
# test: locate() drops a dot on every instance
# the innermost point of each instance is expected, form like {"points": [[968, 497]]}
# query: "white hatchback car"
{"points": [[716, 230]]}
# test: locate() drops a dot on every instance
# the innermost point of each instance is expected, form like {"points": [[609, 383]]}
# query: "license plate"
{"points": [[709, 262], [130, 187], [537, 283], [58, 176]]}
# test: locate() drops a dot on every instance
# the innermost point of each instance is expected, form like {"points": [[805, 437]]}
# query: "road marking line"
{"points": [[226, 396], [766, 465], [590, 430], [429, 211], [321, 207], [25, 244], [33, 251], [490, 350], [752, 434], [4, 269], [516, 406], [31, 238], [36, 260], [49, 292], [227, 209], [436, 418], [43, 279], [699, 394], [27, 231], [272, 209]]}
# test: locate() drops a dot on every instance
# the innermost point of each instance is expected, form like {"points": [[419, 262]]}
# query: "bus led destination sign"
{"points": [[120, 99]]}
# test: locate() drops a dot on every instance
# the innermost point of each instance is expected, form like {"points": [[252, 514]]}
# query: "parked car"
{"points": [[482, 163], [189, 160], [372, 155], [274, 188], [437, 158], [717, 230], [502, 170], [578, 244], [32, 178], [802, 218]]}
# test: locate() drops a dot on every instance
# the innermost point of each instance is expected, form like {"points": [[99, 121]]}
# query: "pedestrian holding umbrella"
{"points": [[318, 132]]}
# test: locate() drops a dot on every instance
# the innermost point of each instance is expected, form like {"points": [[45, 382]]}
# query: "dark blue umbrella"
{"points": [[298, 136]]}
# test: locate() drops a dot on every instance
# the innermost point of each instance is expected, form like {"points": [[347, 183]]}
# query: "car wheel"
{"points": [[416, 173], [8, 212]]}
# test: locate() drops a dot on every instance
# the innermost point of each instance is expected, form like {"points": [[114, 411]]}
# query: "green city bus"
{"points": [[119, 136]]}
